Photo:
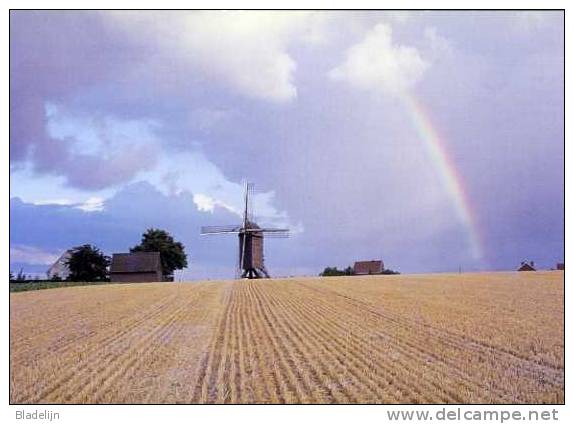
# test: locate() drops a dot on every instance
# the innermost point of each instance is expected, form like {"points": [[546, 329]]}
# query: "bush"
{"points": [[334, 272]]}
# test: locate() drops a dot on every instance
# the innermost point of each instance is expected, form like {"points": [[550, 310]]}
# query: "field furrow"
{"points": [[429, 340], [383, 344], [81, 359], [312, 367], [453, 338], [382, 381], [262, 379], [332, 370], [433, 354]]}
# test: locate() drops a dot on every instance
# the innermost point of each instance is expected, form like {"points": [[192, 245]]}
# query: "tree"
{"points": [[21, 277], [88, 263], [11, 276], [349, 271], [172, 252], [335, 272]]}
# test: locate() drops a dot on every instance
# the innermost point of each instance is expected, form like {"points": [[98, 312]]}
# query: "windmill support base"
{"points": [[253, 273]]}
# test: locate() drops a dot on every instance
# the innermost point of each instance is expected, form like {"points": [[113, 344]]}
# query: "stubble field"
{"points": [[443, 338]]}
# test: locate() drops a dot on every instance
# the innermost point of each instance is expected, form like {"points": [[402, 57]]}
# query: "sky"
{"points": [[433, 140]]}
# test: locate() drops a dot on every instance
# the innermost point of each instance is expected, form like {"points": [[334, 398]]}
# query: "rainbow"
{"points": [[447, 171]]}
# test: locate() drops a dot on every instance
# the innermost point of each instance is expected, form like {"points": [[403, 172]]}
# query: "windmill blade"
{"points": [[264, 230], [250, 208], [274, 230], [285, 234], [220, 229], [212, 233]]}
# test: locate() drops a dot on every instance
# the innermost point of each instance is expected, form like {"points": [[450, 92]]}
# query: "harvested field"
{"points": [[443, 338]]}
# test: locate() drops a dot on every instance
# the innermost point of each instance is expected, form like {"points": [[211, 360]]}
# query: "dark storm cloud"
{"points": [[55, 57]]}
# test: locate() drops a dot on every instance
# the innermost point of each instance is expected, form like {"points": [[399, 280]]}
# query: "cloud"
{"points": [[247, 51], [82, 82], [376, 63], [36, 231], [193, 172], [92, 204], [64, 56], [205, 203], [94, 153], [32, 255]]}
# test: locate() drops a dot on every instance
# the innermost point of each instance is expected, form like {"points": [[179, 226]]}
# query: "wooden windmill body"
{"points": [[250, 262]]}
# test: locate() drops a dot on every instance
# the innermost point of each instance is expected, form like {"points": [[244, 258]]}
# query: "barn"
{"points": [[368, 267], [137, 267]]}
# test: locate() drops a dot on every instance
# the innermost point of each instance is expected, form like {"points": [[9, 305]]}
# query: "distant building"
{"points": [[527, 266], [138, 267], [560, 266], [368, 267], [60, 267]]}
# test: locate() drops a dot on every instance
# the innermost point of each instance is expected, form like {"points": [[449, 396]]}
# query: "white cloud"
{"points": [[192, 172], [206, 203], [32, 255], [246, 50], [51, 190], [60, 202], [376, 63], [93, 204]]}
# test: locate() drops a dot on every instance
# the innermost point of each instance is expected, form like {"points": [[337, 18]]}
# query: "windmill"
{"points": [[250, 260]]}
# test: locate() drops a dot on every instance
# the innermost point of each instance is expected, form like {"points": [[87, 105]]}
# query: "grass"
{"points": [[458, 338], [41, 285]]}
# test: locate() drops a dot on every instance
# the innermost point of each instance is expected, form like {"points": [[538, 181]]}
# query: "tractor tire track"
{"points": [[422, 358], [207, 368], [132, 326], [114, 365], [289, 387], [309, 374], [62, 347], [307, 337], [488, 357], [359, 359], [265, 382]]}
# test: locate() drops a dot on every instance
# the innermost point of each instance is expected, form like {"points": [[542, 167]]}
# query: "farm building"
{"points": [[60, 267], [368, 267], [527, 266], [138, 267]]}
